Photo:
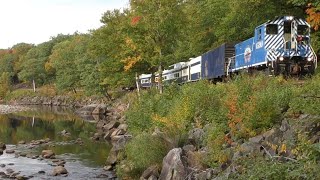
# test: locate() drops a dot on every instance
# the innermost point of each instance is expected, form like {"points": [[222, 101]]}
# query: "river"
{"points": [[84, 160]]}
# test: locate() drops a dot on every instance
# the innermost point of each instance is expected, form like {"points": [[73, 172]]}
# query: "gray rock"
{"points": [[201, 175], [97, 136], [151, 171], [236, 155], [100, 124], [152, 177], [2, 146], [21, 178], [120, 143], [123, 127], [284, 126], [107, 168], [195, 136], [118, 132], [248, 147], [87, 110], [111, 124], [194, 160], [256, 139], [108, 134], [58, 170], [23, 154], [10, 151], [9, 171], [112, 158], [172, 166], [22, 142], [65, 133], [188, 147], [100, 109], [269, 134], [47, 154]]}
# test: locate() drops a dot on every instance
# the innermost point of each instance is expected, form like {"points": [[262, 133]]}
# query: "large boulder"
{"points": [[194, 159], [172, 166], [150, 173], [195, 136], [47, 154], [2, 146], [87, 110], [59, 170], [110, 125], [100, 109]]}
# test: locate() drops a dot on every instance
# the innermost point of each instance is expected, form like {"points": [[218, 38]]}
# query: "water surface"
{"points": [[46, 122]]}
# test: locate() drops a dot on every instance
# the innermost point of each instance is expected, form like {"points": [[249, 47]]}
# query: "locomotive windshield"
{"points": [[272, 29], [303, 30]]}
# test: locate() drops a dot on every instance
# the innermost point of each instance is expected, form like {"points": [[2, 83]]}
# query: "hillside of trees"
{"points": [[138, 39]]}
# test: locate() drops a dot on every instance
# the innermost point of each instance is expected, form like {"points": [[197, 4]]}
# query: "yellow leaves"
{"points": [[314, 17], [48, 66], [130, 43], [165, 121], [283, 148], [133, 56], [130, 62]]}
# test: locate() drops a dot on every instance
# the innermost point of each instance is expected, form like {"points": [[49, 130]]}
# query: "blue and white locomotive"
{"points": [[280, 46]]}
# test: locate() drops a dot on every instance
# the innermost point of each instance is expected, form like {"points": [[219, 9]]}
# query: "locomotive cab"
{"points": [[294, 54]]}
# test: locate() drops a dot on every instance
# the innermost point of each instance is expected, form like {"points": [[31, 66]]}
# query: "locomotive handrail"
{"points": [[315, 57], [231, 59]]}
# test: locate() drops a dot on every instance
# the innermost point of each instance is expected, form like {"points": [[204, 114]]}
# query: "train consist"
{"points": [[279, 46]]}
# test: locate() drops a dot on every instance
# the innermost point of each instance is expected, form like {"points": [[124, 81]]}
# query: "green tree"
{"points": [[5, 84]]}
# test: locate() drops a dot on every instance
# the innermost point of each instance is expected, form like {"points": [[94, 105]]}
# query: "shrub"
{"points": [[143, 151], [307, 98], [259, 168], [256, 103]]}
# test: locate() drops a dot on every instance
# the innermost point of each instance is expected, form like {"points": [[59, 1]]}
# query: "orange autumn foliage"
{"points": [[314, 17]]}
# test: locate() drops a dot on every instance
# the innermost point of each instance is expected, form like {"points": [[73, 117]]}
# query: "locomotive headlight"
{"points": [[289, 18], [281, 58], [309, 59]]}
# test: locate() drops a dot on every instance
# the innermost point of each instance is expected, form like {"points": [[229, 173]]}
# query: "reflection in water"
{"points": [[47, 123]]}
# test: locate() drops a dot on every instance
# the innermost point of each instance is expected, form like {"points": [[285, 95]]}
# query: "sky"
{"points": [[35, 21]]}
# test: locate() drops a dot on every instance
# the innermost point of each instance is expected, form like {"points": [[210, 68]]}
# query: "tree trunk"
{"points": [[160, 79], [34, 85], [138, 84]]}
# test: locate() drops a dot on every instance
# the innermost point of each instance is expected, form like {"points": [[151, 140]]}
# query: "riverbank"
{"points": [[7, 109]]}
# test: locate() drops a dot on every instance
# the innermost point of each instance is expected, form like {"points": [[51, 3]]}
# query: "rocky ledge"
{"points": [[6, 109]]}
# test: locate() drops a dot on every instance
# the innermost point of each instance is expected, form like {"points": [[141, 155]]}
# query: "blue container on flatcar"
{"points": [[214, 62]]}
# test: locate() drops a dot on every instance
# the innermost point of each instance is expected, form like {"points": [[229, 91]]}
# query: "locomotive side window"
{"points": [[259, 35], [303, 30], [272, 29]]}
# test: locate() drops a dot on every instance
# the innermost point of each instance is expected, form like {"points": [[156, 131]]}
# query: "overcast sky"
{"points": [[35, 21]]}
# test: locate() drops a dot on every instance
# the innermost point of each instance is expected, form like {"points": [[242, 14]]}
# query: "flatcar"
{"points": [[279, 46]]}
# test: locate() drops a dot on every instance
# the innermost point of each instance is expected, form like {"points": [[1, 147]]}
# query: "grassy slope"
{"points": [[243, 108]]}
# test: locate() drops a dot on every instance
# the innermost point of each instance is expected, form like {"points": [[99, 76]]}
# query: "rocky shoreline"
{"points": [[25, 161], [7, 109]]}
